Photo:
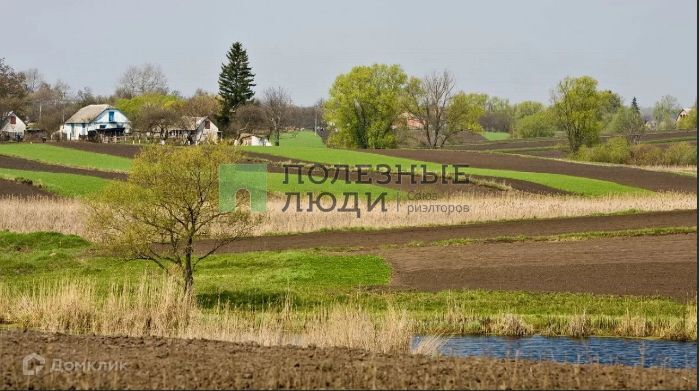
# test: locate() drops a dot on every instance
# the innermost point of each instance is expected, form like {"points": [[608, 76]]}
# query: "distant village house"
{"points": [[12, 127], [253, 140], [685, 112], [195, 130], [96, 122]]}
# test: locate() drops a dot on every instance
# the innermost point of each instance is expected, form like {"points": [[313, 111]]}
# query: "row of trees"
{"points": [[370, 105], [145, 97]]}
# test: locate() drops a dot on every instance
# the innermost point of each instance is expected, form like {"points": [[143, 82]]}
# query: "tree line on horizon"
{"points": [[371, 106]]}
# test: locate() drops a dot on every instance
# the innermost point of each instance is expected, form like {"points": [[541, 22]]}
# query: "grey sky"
{"points": [[512, 49]]}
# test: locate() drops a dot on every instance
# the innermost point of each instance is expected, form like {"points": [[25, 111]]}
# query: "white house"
{"points": [[96, 122], [252, 139], [11, 126], [196, 130], [685, 112]]}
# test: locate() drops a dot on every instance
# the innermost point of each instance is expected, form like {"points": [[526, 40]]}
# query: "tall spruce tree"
{"points": [[635, 107], [235, 83]]}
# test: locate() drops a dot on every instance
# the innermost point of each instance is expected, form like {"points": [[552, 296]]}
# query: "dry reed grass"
{"points": [[68, 216], [161, 309]]}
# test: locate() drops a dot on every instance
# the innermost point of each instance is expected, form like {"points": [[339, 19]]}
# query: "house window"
{"points": [[13, 120], [207, 124], [111, 116]]}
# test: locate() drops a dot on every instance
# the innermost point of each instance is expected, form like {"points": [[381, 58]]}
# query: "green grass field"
{"points": [[310, 280], [303, 145], [495, 136], [572, 184], [67, 185], [66, 157], [302, 138]]}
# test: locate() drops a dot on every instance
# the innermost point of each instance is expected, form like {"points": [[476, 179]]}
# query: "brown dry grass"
{"points": [[161, 309], [506, 206], [68, 216]]}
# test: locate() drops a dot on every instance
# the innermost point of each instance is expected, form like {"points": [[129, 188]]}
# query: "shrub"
{"points": [[540, 124], [646, 155], [616, 150], [680, 154]]}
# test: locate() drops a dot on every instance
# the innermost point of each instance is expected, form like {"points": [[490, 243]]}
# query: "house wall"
{"points": [[74, 131], [18, 127], [203, 134]]}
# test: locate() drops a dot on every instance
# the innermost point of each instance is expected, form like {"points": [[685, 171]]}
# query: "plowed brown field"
{"points": [[159, 363], [648, 265]]}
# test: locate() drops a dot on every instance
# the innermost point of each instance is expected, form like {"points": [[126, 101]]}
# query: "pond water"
{"points": [[625, 351]]}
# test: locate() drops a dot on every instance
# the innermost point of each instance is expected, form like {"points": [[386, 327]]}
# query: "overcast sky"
{"points": [[512, 49]]}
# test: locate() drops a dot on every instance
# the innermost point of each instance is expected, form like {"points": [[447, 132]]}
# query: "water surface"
{"points": [[625, 351]]}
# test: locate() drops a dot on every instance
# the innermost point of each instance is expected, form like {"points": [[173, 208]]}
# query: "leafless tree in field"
{"points": [[276, 104], [427, 101], [143, 79]]}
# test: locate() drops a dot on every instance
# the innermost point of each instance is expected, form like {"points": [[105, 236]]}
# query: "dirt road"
{"points": [[649, 265], [475, 231], [158, 363]]}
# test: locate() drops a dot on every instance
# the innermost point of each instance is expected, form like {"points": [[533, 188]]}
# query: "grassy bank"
{"points": [[308, 285]]}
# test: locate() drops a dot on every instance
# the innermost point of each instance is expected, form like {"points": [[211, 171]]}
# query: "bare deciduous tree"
{"points": [[248, 119], [143, 79], [33, 79], [427, 101], [157, 120], [276, 103]]}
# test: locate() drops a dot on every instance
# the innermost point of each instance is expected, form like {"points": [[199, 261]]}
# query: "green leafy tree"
{"points": [[576, 107], [364, 105], [132, 107], [527, 108], [235, 83], [169, 201], [540, 124], [610, 104], [153, 114], [689, 121], [629, 123], [464, 111], [665, 112]]}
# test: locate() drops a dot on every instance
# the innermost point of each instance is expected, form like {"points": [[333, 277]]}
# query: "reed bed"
{"points": [[159, 308], [69, 216]]}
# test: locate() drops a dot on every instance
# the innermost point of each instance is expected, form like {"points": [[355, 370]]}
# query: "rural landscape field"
{"points": [[404, 231]]}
